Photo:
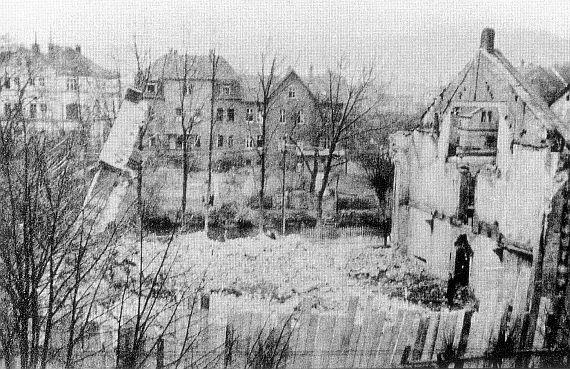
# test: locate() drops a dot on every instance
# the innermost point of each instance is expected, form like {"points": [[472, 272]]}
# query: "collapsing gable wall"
{"points": [[513, 191]]}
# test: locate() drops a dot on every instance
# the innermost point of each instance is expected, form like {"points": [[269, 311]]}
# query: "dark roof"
{"points": [[171, 66], [249, 87], [64, 60], [547, 83]]}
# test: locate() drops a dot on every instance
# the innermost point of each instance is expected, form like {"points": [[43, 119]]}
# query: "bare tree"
{"points": [[268, 82], [343, 111], [208, 201]]}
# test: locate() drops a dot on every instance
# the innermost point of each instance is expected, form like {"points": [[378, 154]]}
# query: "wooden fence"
{"points": [[370, 332]]}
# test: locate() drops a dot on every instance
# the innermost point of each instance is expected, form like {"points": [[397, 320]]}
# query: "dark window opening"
{"points": [[249, 115], [220, 141], [259, 140], [33, 111], [7, 82], [230, 141], [220, 114], [466, 209], [72, 111], [198, 143], [463, 253], [231, 115], [178, 112]]}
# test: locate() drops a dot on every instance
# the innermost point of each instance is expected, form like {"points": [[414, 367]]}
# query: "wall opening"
{"points": [[463, 253]]}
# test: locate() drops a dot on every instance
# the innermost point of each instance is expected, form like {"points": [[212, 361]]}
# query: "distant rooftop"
{"points": [[171, 66], [65, 60]]}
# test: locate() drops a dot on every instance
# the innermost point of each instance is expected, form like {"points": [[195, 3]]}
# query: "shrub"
{"points": [[229, 161], [226, 213], [253, 202], [356, 203]]}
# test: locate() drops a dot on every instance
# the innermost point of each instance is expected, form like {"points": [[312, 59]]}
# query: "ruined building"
{"points": [[481, 186]]}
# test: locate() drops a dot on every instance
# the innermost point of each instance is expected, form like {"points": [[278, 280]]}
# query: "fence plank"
{"points": [[365, 333], [310, 342], [420, 340], [323, 340], [431, 337], [372, 348], [299, 337], [395, 338]]}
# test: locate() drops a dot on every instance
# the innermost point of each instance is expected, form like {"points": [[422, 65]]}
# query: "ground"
{"points": [[294, 270]]}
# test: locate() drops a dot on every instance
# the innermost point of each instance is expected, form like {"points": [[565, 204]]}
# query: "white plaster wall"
{"points": [[435, 247], [517, 198]]}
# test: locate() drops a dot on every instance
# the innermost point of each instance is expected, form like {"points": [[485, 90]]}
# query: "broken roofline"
{"points": [[536, 104]]}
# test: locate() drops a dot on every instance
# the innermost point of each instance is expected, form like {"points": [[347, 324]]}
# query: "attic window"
{"points": [[72, 84], [227, 89], [292, 93]]}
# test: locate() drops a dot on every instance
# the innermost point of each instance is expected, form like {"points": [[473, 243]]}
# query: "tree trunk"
{"points": [[324, 182], [208, 199], [262, 184], [184, 177], [314, 172]]}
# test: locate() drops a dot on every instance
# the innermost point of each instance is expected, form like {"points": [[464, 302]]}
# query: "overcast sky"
{"points": [[410, 41]]}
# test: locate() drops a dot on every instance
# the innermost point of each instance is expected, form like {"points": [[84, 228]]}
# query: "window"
{"points": [[178, 112], [43, 109], [231, 114], [249, 114], [220, 141], [197, 115], [33, 111], [72, 84], [197, 143], [151, 88], [7, 82], [72, 111], [41, 81], [230, 141], [300, 117], [7, 109], [172, 142], [189, 89], [32, 81], [220, 114], [226, 89], [17, 82], [292, 93], [282, 116], [249, 142], [259, 140]]}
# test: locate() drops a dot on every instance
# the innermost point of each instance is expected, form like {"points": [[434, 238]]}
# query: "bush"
{"points": [[356, 203], [226, 213], [229, 161], [253, 202], [354, 218]]}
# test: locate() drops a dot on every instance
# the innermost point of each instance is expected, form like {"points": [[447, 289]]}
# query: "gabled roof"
{"points": [[503, 69], [171, 66], [64, 60]]}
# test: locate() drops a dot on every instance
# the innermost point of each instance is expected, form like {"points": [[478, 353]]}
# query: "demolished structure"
{"points": [[481, 187]]}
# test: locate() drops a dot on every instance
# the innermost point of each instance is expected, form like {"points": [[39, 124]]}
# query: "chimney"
{"points": [[488, 39], [78, 49], [311, 75], [36, 47], [51, 46]]}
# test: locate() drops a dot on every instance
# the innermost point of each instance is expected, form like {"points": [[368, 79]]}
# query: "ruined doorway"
{"points": [[463, 253]]}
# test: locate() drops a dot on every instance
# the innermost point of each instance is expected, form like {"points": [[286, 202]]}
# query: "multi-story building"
{"points": [[237, 109], [59, 90]]}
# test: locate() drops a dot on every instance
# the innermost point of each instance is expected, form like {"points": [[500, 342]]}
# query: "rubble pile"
{"points": [[294, 269]]}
